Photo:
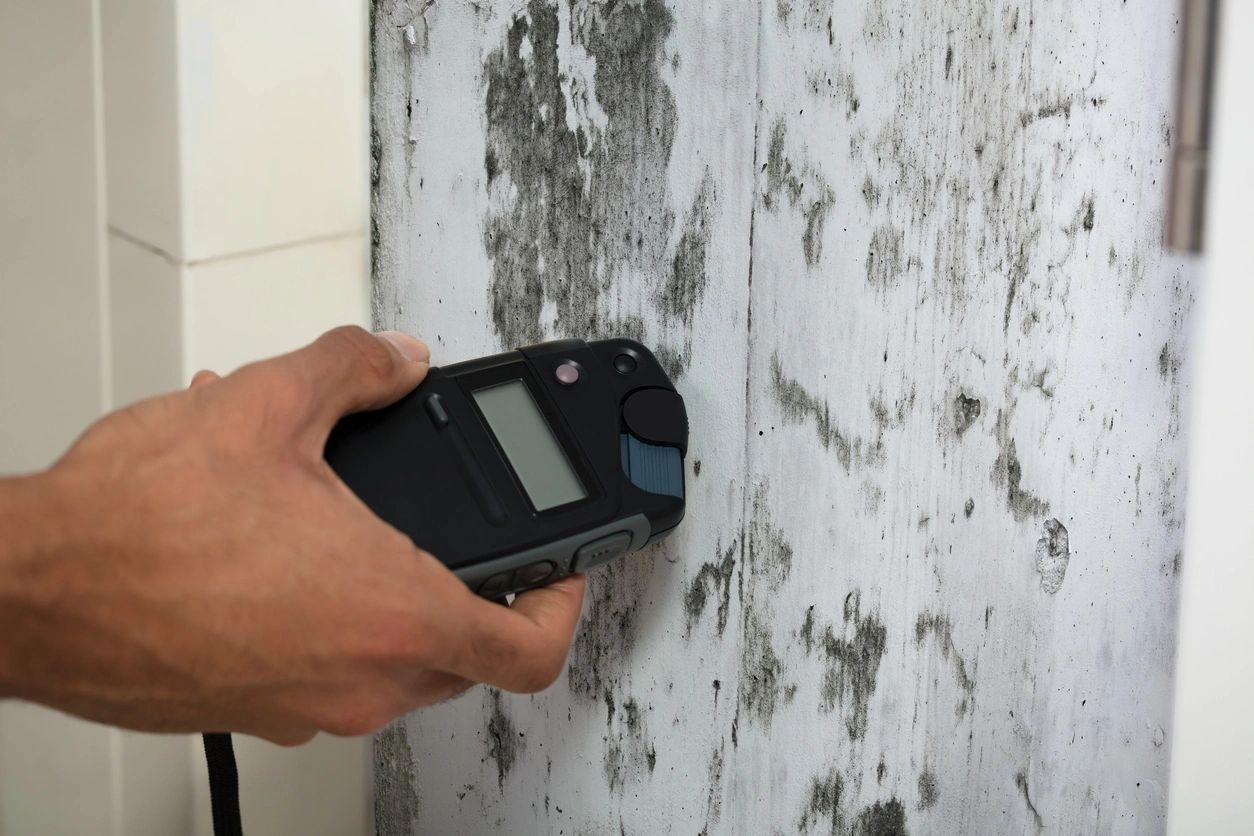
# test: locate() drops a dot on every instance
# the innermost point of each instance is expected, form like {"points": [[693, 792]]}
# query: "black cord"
{"points": [[223, 784]]}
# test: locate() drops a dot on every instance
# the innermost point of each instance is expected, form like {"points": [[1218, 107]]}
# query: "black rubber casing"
{"points": [[429, 465]]}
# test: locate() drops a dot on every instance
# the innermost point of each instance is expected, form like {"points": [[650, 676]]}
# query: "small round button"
{"points": [[566, 374], [535, 573], [624, 364]]}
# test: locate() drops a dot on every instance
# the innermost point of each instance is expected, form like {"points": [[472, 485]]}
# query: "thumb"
{"points": [[350, 370]]}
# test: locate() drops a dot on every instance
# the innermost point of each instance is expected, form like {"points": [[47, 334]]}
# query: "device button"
{"points": [[624, 364], [497, 585], [535, 573], [601, 551], [435, 409], [566, 374]]}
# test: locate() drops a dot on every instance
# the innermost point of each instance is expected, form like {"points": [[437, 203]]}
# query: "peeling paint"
{"points": [[1053, 553]]}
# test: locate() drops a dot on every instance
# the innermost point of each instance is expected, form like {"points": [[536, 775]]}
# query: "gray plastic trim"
{"points": [[560, 552]]}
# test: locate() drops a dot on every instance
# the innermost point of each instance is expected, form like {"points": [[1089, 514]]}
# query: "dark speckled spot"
{"points": [[504, 742], [883, 818], [712, 578], [805, 190], [395, 783], [798, 405], [1008, 472], [928, 789], [934, 624], [688, 276], [823, 803], [852, 662]]}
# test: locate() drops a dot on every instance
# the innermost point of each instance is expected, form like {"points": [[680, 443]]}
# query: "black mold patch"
{"points": [[823, 804], [770, 553], [1053, 553], [605, 641], [688, 278], [554, 235], [933, 624], [761, 671], [711, 578], [799, 405], [883, 818], [504, 742], [885, 261], [714, 784], [1008, 472], [852, 664], [966, 412], [783, 180], [1021, 781], [929, 791], [630, 754], [395, 783]]}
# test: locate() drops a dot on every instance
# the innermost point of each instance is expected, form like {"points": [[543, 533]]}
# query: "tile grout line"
{"points": [[175, 261]]}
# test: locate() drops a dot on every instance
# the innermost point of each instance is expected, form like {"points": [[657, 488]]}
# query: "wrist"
{"points": [[34, 532]]}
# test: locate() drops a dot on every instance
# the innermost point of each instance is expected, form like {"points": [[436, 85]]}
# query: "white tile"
{"points": [[157, 783], [139, 58], [51, 370], [54, 773], [319, 789], [274, 122], [244, 309], [147, 328]]}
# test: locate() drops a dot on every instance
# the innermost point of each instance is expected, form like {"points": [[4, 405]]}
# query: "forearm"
{"points": [[32, 533]]}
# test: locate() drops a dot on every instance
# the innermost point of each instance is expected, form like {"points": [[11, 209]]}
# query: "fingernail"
{"points": [[411, 348]]}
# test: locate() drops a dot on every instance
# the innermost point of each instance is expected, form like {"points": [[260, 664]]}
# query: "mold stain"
{"points": [[799, 405], [714, 789], [1053, 553], [823, 804], [966, 413], [929, 790], [713, 578], [761, 671], [939, 626], [770, 553], [606, 639], [505, 745], [396, 802], [563, 218], [789, 182], [1008, 473], [688, 278], [883, 818], [885, 261], [630, 755], [851, 665], [1021, 781]]}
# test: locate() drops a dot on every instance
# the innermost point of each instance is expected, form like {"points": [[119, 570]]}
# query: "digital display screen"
{"points": [[530, 445]]}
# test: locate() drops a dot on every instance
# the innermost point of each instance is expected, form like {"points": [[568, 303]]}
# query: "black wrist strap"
{"points": [[223, 784]]}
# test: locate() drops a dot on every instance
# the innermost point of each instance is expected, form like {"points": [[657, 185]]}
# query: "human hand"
{"points": [[193, 563]]}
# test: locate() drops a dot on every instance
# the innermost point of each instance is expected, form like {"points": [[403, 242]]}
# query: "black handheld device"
{"points": [[520, 468]]}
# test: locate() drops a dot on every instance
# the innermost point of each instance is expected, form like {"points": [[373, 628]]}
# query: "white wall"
{"points": [[182, 186], [1212, 767]]}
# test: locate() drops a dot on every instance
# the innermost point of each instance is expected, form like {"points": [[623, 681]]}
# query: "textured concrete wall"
{"points": [[903, 259]]}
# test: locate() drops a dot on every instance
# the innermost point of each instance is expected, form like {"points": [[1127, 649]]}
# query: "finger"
{"points": [[522, 648], [349, 370], [203, 378]]}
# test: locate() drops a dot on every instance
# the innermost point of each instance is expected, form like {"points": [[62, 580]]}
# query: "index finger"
{"points": [[520, 648]]}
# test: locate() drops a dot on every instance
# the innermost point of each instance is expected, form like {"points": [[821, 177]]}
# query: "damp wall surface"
{"points": [[904, 262]]}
